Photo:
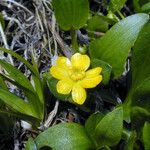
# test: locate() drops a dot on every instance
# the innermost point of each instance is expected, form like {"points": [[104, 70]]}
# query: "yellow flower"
{"points": [[72, 76]]}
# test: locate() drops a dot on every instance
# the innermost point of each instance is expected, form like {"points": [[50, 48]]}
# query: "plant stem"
{"points": [[120, 14], [74, 41]]}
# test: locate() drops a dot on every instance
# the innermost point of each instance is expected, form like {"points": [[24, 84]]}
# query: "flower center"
{"points": [[77, 75]]}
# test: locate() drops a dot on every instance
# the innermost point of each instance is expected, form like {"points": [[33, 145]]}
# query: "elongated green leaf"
{"points": [[140, 90], [67, 136], [106, 69], [38, 83], [16, 75], [109, 130], [146, 135], [114, 47], [140, 68], [17, 78], [11, 112], [2, 83], [115, 5], [20, 59], [17, 103], [71, 14]]}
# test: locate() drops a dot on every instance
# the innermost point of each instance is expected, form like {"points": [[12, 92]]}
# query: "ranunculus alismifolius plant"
{"points": [[74, 76], [99, 109]]}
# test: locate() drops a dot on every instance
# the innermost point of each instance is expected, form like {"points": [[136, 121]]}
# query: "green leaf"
{"points": [[38, 84], [140, 68], [71, 14], [138, 117], [32, 97], [97, 23], [20, 58], [140, 90], [16, 75], [115, 5], [91, 124], [141, 94], [146, 136], [106, 69], [138, 4], [51, 82], [66, 136], [30, 145], [17, 103], [129, 144], [109, 130], [2, 83], [19, 79], [146, 8], [115, 45]]}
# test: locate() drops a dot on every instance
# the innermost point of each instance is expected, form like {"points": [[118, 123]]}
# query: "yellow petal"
{"points": [[90, 82], [78, 94], [63, 62], [64, 86], [58, 73], [81, 62], [93, 72]]}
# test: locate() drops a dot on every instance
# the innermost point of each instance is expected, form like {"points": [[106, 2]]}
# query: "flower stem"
{"points": [[74, 42]]}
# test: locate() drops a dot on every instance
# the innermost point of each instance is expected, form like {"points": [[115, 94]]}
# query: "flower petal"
{"points": [[64, 86], [78, 94], [81, 62], [63, 62], [58, 73], [93, 72], [90, 82]]}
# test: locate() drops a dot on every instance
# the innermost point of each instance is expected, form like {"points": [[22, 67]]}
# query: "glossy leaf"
{"points": [[30, 145], [16, 75], [91, 124], [17, 103], [106, 69], [71, 14], [32, 97], [18, 78], [115, 5], [109, 130], [35, 98], [3, 84], [140, 90], [67, 136], [146, 135], [115, 45]]}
